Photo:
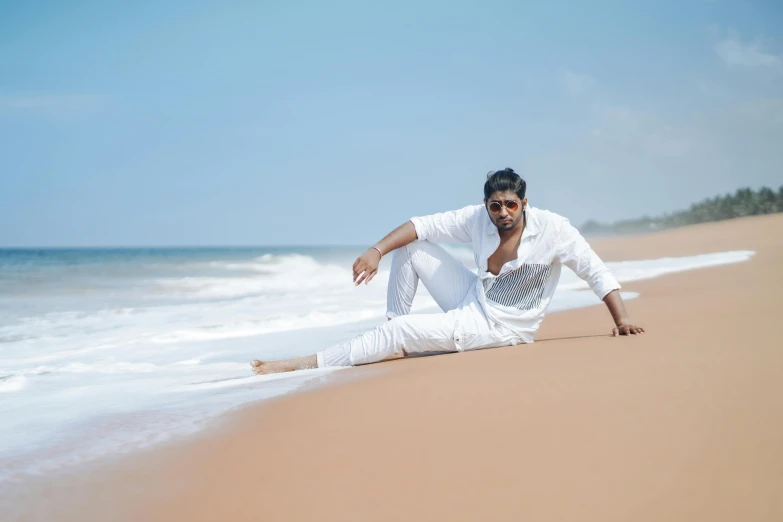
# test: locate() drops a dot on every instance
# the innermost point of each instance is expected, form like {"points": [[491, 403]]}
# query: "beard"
{"points": [[506, 226]]}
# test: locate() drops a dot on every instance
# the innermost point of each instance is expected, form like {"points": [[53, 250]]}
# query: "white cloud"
{"points": [[734, 52], [575, 83]]}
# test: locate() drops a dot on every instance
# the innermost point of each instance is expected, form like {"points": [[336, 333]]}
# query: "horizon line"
{"points": [[152, 247]]}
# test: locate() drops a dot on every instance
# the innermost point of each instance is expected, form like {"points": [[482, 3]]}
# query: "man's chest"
{"points": [[496, 257], [504, 253]]}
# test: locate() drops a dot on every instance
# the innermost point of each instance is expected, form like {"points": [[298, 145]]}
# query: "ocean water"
{"points": [[103, 351]]}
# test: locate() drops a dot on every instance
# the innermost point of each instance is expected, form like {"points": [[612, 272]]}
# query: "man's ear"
{"points": [[524, 202], [485, 202]]}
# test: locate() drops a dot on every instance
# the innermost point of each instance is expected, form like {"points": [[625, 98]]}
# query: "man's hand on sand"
{"points": [[366, 266], [627, 329]]}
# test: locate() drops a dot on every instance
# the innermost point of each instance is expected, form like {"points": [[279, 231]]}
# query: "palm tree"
{"points": [[766, 200], [744, 203]]}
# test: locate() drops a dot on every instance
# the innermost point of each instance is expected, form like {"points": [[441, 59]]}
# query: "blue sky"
{"points": [[233, 123]]}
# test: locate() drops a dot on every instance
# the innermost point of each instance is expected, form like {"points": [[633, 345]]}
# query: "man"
{"points": [[518, 250]]}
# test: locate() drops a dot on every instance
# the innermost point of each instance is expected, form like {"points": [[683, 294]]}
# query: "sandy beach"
{"points": [[682, 423]]}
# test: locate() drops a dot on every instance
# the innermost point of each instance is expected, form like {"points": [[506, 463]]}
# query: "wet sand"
{"points": [[682, 423]]}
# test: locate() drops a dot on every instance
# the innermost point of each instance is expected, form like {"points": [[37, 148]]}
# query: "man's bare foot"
{"points": [[263, 368], [286, 365]]}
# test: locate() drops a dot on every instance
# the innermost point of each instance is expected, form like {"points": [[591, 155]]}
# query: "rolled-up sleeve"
{"points": [[574, 252], [452, 226]]}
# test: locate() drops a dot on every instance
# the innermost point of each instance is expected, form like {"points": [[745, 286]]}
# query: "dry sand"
{"points": [[683, 423]]}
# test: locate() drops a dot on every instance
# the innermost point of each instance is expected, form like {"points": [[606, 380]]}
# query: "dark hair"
{"points": [[503, 180]]}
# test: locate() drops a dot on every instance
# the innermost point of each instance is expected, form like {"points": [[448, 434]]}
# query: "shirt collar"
{"points": [[531, 224]]}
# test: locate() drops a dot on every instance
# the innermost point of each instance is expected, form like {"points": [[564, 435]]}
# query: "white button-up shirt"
{"points": [[519, 295]]}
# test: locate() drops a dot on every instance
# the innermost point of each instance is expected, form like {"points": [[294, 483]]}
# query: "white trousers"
{"points": [[462, 325]]}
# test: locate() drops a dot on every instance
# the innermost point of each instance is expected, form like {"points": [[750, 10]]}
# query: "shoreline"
{"points": [[677, 424]]}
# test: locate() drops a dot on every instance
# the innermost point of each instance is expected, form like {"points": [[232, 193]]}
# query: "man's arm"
{"points": [[576, 254], [446, 226], [366, 266], [614, 302], [452, 226]]}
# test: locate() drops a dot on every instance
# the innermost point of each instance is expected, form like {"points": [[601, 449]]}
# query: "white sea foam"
{"points": [[12, 383], [79, 367], [276, 264], [273, 274], [627, 271], [253, 379], [265, 326]]}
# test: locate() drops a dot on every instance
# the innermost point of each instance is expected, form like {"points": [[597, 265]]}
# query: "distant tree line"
{"points": [[744, 202]]}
